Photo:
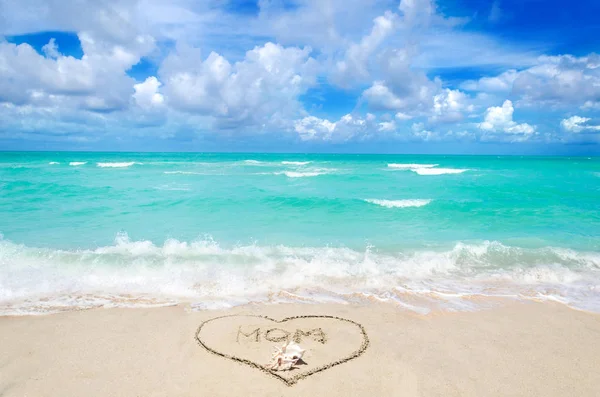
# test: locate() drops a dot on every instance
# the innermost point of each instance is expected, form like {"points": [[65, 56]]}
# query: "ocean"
{"points": [[84, 230]]}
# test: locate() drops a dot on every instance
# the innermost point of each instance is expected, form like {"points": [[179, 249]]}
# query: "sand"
{"points": [[518, 349]]}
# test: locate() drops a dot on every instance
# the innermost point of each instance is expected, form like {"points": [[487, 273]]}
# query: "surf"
{"points": [[116, 165], [399, 203], [202, 272]]}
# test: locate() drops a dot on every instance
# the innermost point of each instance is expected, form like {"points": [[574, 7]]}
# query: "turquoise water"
{"points": [[101, 229]]}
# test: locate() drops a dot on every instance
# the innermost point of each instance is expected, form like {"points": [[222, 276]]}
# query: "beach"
{"points": [[512, 349], [298, 198], [177, 274]]}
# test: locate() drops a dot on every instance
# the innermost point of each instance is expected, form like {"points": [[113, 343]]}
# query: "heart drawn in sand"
{"points": [[249, 339]]}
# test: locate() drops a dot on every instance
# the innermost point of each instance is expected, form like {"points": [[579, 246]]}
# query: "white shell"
{"points": [[285, 357], [293, 350]]}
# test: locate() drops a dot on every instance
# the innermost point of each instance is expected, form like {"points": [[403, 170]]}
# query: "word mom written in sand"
{"points": [[249, 339], [281, 335]]}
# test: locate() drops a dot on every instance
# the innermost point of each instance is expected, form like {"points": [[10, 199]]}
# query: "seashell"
{"points": [[293, 350], [285, 357]]}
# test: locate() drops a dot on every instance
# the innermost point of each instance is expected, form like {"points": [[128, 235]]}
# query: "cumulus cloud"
{"points": [[502, 83], [263, 87], [146, 94], [51, 49], [97, 81], [412, 94], [226, 72], [416, 12], [577, 124], [406, 89], [560, 81], [419, 131], [354, 67], [347, 128], [313, 128], [403, 116], [500, 119], [448, 106]]}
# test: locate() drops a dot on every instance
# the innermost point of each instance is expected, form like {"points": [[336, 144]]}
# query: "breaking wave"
{"points": [[76, 163], [411, 166], [141, 273], [426, 169], [116, 165], [295, 162], [307, 173], [438, 171], [53, 162], [399, 203]]}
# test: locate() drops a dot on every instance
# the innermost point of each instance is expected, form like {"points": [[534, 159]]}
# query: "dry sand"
{"points": [[520, 349]]}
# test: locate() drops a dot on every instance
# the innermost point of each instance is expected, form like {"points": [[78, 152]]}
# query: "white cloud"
{"points": [[348, 127], [262, 88], [404, 89], [416, 12], [51, 49], [403, 116], [379, 96], [556, 81], [502, 83], [577, 124], [419, 131], [413, 95], [326, 25], [355, 65], [313, 128], [146, 94], [448, 106], [387, 126], [208, 80], [500, 119], [97, 81]]}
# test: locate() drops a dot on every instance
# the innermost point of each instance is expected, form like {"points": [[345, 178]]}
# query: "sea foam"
{"points": [[76, 163], [116, 165], [293, 174], [141, 273], [399, 203], [295, 162], [410, 166], [306, 173], [438, 171]]}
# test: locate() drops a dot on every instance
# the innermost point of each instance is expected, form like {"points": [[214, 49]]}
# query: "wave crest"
{"points": [[410, 166], [439, 171], [306, 173], [142, 273], [76, 163], [295, 162], [399, 203], [116, 165]]}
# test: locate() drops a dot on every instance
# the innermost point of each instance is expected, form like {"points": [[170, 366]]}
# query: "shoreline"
{"points": [[519, 348]]}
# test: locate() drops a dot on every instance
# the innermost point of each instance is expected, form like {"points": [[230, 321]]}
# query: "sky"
{"points": [[409, 76]]}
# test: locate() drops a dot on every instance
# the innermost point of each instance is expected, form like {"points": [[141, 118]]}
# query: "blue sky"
{"points": [[423, 76]]}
